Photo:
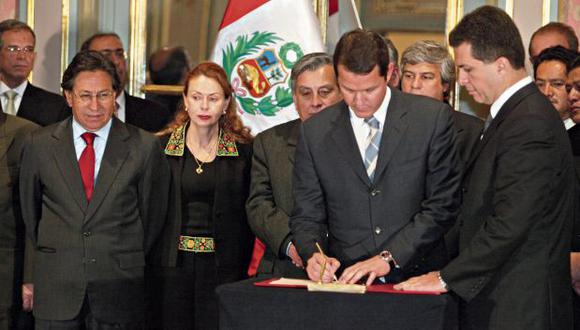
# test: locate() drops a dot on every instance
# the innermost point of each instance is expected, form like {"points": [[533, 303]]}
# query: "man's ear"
{"points": [[69, 97]]}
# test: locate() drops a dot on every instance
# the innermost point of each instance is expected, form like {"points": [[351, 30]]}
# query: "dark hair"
{"points": [[167, 66], [230, 122], [556, 53], [492, 34], [14, 25], [566, 30], [575, 64], [87, 44], [88, 61], [360, 51], [308, 62]]}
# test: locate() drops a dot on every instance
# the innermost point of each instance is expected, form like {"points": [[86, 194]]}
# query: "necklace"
{"points": [[200, 163]]}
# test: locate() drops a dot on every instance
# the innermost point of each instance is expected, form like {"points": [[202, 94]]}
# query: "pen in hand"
{"points": [[324, 264]]}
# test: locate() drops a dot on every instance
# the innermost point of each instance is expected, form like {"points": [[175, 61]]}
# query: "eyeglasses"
{"points": [[101, 97], [574, 85], [13, 50], [109, 53]]}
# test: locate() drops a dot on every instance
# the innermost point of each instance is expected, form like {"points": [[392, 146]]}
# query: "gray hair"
{"points": [[393, 52], [434, 53], [308, 62]]}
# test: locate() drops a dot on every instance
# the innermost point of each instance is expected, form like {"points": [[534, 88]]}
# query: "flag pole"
{"points": [[321, 10]]}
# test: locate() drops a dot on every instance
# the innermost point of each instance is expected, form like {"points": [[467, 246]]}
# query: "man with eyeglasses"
{"points": [[94, 195], [550, 71], [146, 114], [17, 95]]}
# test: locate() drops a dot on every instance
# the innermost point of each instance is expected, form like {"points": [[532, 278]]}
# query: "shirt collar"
{"points": [[502, 99], [19, 89], [78, 130], [569, 123], [121, 99], [380, 114]]}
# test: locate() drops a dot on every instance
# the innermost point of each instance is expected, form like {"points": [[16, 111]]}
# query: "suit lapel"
{"points": [[65, 156], [116, 152], [292, 140], [5, 140], [503, 113], [28, 104], [344, 139], [394, 128]]}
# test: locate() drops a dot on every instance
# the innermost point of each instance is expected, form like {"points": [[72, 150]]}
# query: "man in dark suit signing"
{"points": [[146, 114], [270, 203], [94, 197], [515, 224], [13, 131], [17, 95], [376, 177]]}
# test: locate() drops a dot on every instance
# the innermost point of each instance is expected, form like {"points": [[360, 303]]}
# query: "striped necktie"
{"points": [[372, 143], [10, 106]]}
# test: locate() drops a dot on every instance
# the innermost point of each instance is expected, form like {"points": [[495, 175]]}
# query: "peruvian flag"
{"points": [[258, 44], [342, 17]]}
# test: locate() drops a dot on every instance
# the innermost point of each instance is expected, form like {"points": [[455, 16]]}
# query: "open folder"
{"points": [[335, 287]]}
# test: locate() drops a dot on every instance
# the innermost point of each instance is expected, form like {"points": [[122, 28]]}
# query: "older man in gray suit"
{"points": [[270, 203], [13, 131], [94, 197]]}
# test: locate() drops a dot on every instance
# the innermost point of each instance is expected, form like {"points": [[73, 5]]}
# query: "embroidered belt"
{"points": [[196, 244]]}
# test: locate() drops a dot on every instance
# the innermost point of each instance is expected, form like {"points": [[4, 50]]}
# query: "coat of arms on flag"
{"points": [[261, 76], [258, 44]]}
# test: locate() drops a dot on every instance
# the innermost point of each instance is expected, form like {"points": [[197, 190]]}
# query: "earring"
{"points": [[185, 109]]}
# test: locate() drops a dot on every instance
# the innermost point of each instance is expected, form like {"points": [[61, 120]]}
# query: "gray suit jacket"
{"points": [[513, 268], [406, 210], [13, 132], [94, 249], [270, 203]]}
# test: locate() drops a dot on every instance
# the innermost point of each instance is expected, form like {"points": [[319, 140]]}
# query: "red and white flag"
{"points": [[258, 44], [342, 17]]}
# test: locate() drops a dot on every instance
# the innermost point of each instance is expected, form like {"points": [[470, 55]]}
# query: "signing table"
{"points": [[242, 305]]}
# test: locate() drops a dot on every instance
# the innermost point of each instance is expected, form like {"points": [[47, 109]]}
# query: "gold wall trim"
{"points": [[30, 13], [162, 89], [454, 15], [509, 8], [546, 14], [137, 46], [30, 22], [65, 26], [321, 10]]}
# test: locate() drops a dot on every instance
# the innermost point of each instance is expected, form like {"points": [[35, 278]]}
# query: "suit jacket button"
{"points": [[378, 230], [87, 234], [375, 192]]}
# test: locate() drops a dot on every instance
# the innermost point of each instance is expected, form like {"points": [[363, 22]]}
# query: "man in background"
{"points": [[17, 95], [148, 115], [550, 74], [270, 203], [550, 35], [395, 79], [429, 70]]}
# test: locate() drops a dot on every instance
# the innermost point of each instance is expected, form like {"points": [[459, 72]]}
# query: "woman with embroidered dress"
{"points": [[206, 240]]}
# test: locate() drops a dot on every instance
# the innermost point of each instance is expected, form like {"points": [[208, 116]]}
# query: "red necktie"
{"points": [[87, 164], [257, 255]]}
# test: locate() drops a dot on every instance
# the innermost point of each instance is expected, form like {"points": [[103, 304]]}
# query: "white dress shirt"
{"points": [[98, 144]]}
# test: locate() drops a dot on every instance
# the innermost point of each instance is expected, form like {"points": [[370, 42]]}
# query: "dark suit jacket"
{"points": [[469, 130], [574, 135], [148, 115], [232, 235], [42, 107], [270, 203], [513, 269], [13, 131], [406, 210], [94, 249]]}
